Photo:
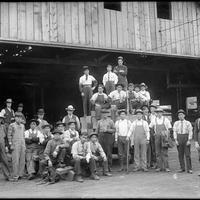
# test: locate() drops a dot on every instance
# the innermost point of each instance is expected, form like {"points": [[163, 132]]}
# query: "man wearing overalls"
{"points": [[70, 116], [110, 79], [139, 134], [161, 126], [99, 100], [105, 130], [121, 137], [17, 146], [86, 87], [121, 71], [183, 135]]}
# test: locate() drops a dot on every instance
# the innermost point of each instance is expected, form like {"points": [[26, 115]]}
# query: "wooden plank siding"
{"points": [[88, 24]]}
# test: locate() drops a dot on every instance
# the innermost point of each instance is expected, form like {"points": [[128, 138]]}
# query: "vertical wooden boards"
{"points": [[75, 32], [113, 18], [81, 20], [198, 27], [131, 32], [21, 20], [4, 20], [101, 24], [176, 28], [163, 36], [172, 30], [53, 22], [60, 22], [45, 21], [107, 28], [88, 23], [120, 31], [37, 21], [95, 36], [136, 25], [13, 19], [29, 21], [195, 31], [147, 26], [125, 23], [68, 23], [168, 37], [152, 18]]}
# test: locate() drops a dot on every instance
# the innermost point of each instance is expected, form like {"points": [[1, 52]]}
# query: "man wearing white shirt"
{"points": [[118, 100], [162, 127], [144, 95], [122, 128], [139, 133], [99, 100], [183, 133], [110, 79], [86, 88]]}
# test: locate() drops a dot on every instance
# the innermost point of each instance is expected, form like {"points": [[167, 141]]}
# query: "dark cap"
{"points": [[138, 111], [93, 133], [181, 111], [57, 131], [40, 111], [159, 110], [144, 106], [34, 120], [85, 67], [71, 122], [122, 110], [154, 106], [47, 125], [20, 105], [105, 111], [59, 123]]}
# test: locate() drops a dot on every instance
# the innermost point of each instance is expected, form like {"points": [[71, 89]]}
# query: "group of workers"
{"points": [[42, 150]]}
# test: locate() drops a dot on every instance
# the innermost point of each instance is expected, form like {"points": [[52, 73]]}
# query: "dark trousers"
{"points": [[161, 153], [86, 100], [131, 155], [122, 149], [184, 151], [4, 161], [106, 140], [101, 162], [110, 86], [81, 165], [151, 153]]}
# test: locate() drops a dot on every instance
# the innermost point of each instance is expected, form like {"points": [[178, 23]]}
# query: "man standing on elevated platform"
{"points": [[87, 83], [121, 71]]}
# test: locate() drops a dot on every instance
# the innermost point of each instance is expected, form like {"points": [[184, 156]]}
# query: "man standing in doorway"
{"points": [[121, 71], [183, 136], [20, 109], [110, 79], [86, 87]]}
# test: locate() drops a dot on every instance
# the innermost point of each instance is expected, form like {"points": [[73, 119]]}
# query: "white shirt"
{"points": [[115, 95], [83, 81], [152, 117], [36, 132], [139, 123], [144, 95], [159, 121], [94, 96], [186, 129], [122, 127], [67, 135], [110, 76]]}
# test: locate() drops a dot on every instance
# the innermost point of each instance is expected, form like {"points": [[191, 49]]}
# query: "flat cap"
{"points": [[181, 111]]}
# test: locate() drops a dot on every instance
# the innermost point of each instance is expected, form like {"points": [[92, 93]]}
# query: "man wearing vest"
{"points": [[3, 157], [70, 116], [197, 135], [100, 101], [20, 109], [121, 137], [98, 153], [86, 87], [42, 122], [183, 133], [105, 130], [144, 94], [121, 71], [162, 127], [131, 98], [33, 139], [110, 79], [139, 134], [17, 146]]}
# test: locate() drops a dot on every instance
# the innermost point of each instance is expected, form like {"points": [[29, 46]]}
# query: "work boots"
{"points": [[121, 165]]}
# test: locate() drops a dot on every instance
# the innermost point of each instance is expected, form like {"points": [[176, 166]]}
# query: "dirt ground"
{"points": [[121, 185]]}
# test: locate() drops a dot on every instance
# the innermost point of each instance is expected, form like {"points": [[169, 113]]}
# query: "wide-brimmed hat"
{"points": [[119, 58], [60, 123], [47, 125], [34, 120], [181, 111], [92, 133], [57, 131], [20, 105], [71, 122], [138, 111], [143, 84], [18, 114], [122, 110], [9, 100], [70, 108], [40, 111], [159, 110]]}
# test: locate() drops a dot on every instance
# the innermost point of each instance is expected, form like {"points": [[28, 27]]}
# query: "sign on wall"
{"points": [[191, 103]]}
